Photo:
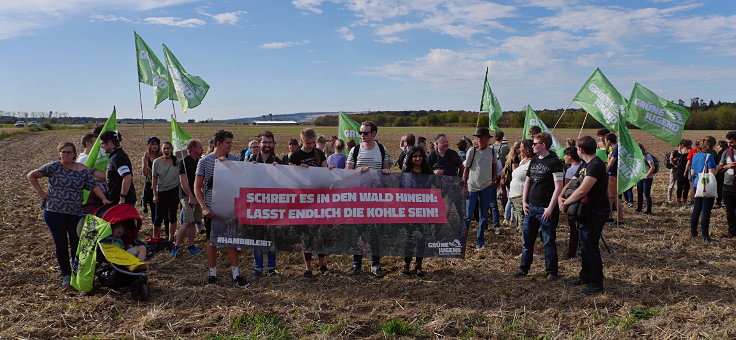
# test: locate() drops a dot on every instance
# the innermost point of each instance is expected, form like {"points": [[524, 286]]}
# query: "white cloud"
{"points": [[390, 40], [228, 18], [282, 44], [345, 33], [109, 18], [308, 5], [172, 21]]}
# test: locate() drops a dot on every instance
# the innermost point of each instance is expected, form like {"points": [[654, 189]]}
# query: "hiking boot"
{"points": [[323, 270], [353, 271], [211, 280], [377, 271], [521, 273], [308, 274], [591, 290], [256, 275], [240, 282], [419, 272], [576, 282], [272, 273], [66, 280], [193, 250], [175, 251], [406, 270]]}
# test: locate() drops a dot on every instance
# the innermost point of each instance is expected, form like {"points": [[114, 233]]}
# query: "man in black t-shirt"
{"points": [[120, 187], [191, 212], [594, 187], [539, 200], [443, 160]]}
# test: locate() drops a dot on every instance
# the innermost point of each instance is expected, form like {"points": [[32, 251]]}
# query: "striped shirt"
{"points": [[206, 169], [368, 158]]}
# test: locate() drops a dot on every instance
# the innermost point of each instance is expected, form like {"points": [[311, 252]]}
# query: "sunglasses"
{"points": [[540, 143], [364, 133]]}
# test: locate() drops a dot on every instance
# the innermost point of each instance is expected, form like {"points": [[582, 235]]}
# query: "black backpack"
{"points": [[357, 149], [667, 163], [656, 164]]}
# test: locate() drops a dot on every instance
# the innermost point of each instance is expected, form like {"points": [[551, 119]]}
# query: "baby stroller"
{"points": [[113, 267]]}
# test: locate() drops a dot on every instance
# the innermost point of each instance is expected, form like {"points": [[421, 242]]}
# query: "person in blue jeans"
{"points": [[539, 201], [481, 176], [594, 188], [644, 186], [703, 205]]}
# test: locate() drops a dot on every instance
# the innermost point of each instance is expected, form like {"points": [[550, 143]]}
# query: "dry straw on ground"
{"points": [[660, 283]]}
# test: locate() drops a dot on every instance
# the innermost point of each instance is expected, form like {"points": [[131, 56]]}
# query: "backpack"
{"points": [[667, 163], [656, 164], [357, 149]]}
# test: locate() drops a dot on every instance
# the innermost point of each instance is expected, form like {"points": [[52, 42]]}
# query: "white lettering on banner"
{"points": [[243, 241], [270, 198], [401, 197], [351, 134], [453, 248], [668, 120], [605, 105], [182, 85], [345, 197], [314, 213], [385, 212], [269, 214], [423, 212], [376, 197], [158, 81], [623, 168]]}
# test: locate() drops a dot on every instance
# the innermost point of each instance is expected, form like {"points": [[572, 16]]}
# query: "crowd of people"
{"points": [[525, 184]]}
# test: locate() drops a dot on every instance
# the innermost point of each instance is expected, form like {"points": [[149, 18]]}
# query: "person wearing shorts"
{"points": [[191, 211]]}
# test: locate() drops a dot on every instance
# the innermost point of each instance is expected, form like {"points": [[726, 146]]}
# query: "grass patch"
{"points": [[397, 327], [324, 328], [261, 326], [8, 134], [623, 324]]}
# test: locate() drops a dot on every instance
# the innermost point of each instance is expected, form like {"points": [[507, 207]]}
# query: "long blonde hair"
{"points": [[515, 152]]}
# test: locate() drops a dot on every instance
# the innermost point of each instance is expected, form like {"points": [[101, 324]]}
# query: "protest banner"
{"points": [[337, 211]]}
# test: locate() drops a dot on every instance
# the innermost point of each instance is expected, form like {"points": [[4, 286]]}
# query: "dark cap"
{"points": [[482, 132], [154, 139], [111, 135]]}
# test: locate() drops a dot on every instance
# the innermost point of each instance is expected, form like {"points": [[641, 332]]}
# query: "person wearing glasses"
{"points": [[539, 201], [62, 202]]}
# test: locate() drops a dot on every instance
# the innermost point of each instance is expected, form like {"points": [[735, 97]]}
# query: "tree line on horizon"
{"points": [[703, 116]]}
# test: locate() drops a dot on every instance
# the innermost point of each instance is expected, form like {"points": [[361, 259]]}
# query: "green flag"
{"points": [[532, 119], [630, 159], [657, 116], [96, 158], [489, 103], [190, 89], [83, 272], [601, 100], [179, 138], [348, 129], [152, 72]]}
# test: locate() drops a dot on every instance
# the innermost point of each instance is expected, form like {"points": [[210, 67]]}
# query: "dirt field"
{"points": [[660, 283]]}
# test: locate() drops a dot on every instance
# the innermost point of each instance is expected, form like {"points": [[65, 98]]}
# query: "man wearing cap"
{"points": [[120, 187], [481, 176]]}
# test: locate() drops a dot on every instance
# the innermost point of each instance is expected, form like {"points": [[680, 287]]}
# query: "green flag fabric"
{"points": [[489, 103], [152, 72], [601, 100], [531, 119], [348, 129], [96, 158], [83, 271], [190, 89], [631, 167], [179, 138], [657, 116]]}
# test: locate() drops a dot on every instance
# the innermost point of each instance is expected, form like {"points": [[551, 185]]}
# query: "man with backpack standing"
{"points": [[726, 165], [481, 176], [368, 155]]}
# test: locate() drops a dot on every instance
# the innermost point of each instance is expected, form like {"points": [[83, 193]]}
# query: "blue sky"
{"points": [[273, 56]]}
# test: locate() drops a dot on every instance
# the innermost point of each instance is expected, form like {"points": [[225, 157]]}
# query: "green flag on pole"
{"points": [[657, 116], [152, 72], [179, 138], [190, 89], [601, 100], [348, 129], [98, 158], [83, 272], [532, 119], [489, 103], [630, 159]]}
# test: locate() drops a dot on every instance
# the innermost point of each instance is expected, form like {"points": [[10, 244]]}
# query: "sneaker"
{"points": [[323, 270], [553, 278], [497, 230], [377, 271], [419, 272], [406, 270], [577, 282], [308, 274], [256, 275], [480, 245], [66, 280], [194, 250], [272, 273], [240, 282], [631, 205], [353, 271], [211, 280], [175, 251], [709, 240], [591, 290], [521, 273]]}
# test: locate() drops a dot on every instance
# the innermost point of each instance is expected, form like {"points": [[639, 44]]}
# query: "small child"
{"points": [[118, 231]]}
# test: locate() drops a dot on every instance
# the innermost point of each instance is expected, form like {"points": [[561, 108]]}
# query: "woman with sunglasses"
{"points": [[62, 202]]}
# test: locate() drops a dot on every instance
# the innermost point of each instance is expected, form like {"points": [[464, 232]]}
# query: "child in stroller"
{"points": [[118, 231]]}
